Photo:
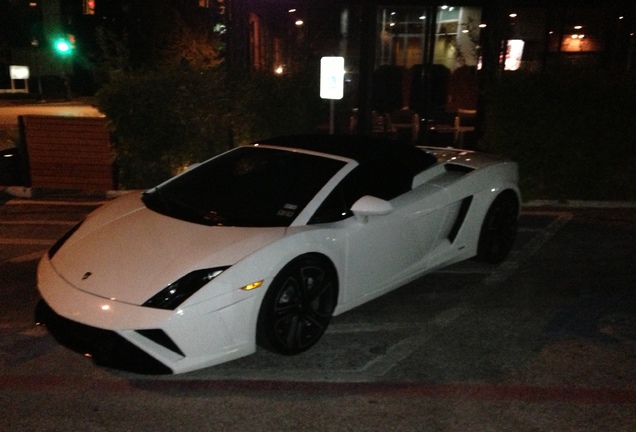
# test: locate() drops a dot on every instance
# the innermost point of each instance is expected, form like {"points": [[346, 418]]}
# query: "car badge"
{"points": [[86, 275]]}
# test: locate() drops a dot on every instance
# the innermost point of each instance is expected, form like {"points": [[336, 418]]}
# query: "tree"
{"points": [[159, 33], [170, 102]]}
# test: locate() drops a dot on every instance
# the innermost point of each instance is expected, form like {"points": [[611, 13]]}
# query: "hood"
{"points": [[128, 253]]}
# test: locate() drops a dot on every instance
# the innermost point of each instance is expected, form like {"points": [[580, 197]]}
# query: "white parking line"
{"points": [[46, 243], [26, 258], [57, 203], [39, 222], [21, 242]]}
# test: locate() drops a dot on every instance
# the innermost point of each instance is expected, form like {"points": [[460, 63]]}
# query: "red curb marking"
{"points": [[593, 396]]}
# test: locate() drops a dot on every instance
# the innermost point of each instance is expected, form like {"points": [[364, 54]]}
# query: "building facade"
{"points": [[404, 59], [431, 58]]}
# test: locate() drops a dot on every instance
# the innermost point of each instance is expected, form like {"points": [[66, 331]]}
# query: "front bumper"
{"points": [[147, 340], [105, 347]]}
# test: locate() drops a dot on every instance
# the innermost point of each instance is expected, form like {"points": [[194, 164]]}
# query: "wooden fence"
{"points": [[68, 152]]}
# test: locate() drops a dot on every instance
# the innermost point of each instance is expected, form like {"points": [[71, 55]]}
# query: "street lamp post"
{"points": [[35, 43]]}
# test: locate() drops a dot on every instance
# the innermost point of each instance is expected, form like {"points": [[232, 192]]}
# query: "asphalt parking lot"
{"points": [[545, 341]]}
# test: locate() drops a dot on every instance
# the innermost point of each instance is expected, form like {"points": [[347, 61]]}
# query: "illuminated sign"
{"points": [[514, 54], [332, 77], [19, 72]]}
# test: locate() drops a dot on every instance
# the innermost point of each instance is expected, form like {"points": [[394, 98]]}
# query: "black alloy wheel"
{"points": [[499, 229], [298, 306]]}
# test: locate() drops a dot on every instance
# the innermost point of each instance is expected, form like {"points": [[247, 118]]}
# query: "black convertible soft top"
{"points": [[359, 148]]}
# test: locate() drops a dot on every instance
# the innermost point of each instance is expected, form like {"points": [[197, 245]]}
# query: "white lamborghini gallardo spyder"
{"points": [[263, 244]]}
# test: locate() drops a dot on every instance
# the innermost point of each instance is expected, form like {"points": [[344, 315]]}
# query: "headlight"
{"points": [[177, 292]]}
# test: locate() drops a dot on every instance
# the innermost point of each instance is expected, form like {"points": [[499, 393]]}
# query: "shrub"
{"points": [[572, 134], [166, 119], [267, 105]]}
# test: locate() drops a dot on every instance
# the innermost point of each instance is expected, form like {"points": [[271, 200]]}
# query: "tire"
{"points": [[499, 230], [298, 306]]}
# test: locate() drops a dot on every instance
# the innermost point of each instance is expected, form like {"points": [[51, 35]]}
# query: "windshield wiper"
{"points": [[213, 218], [155, 199]]}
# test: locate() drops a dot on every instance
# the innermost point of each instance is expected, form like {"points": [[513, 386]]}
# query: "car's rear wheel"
{"points": [[499, 229], [298, 306]]}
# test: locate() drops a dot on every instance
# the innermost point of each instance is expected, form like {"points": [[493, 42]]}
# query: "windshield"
{"points": [[248, 186]]}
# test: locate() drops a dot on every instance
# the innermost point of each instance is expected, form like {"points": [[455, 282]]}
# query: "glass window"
{"points": [[426, 61], [248, 186], [526, 39], [582, 30], [386, 178], [457, 36], [456, 55], [89, 7], [402, 33]]}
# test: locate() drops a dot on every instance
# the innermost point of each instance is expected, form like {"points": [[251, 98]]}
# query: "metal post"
{"points": [[332, 116]]}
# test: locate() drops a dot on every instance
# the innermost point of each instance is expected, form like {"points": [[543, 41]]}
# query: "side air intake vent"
{"points": [[461, 216], [162, 339], [451, 167]]}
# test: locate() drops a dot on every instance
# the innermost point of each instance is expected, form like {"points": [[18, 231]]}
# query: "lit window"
{"points": [[89, 7]]}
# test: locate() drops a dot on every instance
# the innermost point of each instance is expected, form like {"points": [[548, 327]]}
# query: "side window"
{"points": [[333, 209], [384, 179]]}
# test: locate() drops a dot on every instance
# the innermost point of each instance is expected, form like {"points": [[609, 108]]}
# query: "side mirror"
{"points": [[371, 206]]}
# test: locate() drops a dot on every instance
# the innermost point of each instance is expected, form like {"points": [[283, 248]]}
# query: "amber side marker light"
{"points": [[252, 286]]}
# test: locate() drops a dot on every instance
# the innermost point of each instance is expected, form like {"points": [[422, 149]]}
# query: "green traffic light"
{"points": [[63, 46]]}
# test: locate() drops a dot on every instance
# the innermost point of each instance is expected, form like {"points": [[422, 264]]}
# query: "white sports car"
{"points": [[263, 244]]}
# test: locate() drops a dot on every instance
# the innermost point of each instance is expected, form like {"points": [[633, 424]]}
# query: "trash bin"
{"points": [[10, 165]]}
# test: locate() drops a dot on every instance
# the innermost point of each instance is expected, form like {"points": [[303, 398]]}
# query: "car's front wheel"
{"points": [[499, 229], [298, 306]]}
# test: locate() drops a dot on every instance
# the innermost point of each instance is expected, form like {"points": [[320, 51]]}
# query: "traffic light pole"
{"points": [[64, 47]]}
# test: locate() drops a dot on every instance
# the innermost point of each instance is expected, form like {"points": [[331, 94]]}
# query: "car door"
{"points": [[382, 249]]}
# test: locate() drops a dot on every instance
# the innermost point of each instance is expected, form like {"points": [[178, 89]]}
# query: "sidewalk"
{"points": [[80, 100]]}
